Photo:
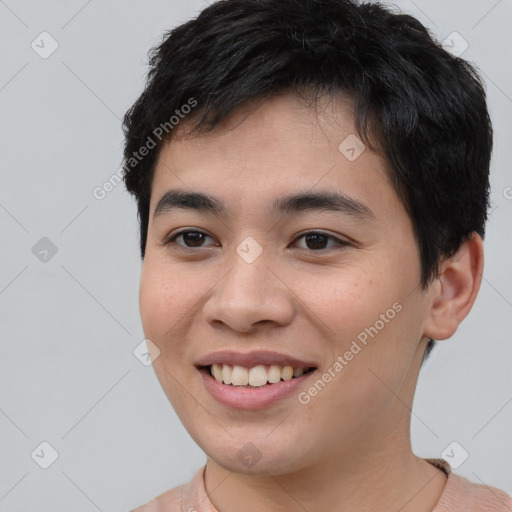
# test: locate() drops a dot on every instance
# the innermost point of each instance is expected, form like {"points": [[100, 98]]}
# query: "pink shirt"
{"points": [[459, 495]]}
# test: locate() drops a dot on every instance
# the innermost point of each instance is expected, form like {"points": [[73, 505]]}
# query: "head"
{"points": [[384, 140]]}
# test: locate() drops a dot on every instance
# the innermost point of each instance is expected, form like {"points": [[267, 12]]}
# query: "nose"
{"points": [[250, 294]]}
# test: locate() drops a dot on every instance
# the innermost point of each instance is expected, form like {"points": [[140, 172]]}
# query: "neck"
{"points": [[394, 480]]}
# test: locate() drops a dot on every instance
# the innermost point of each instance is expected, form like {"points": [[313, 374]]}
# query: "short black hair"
{"points": [[423, 108]]}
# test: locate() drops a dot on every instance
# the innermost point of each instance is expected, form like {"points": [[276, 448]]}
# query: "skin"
{"points": [[353, 436]]}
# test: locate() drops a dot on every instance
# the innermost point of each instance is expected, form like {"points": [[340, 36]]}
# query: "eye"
{"points": [[191, 238], [316, 241]]}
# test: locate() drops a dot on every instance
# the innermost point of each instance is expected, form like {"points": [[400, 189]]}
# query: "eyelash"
{"points": [[171, 239]]}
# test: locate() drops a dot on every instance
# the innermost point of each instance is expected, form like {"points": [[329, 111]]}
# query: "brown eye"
{"points": [[190, 238], [193, 238], [317, 241]]}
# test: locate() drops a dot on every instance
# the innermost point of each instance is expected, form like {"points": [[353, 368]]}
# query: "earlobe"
{"points": [[455, 290]]}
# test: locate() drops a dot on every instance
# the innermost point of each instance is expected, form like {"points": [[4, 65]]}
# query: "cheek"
{"points": [[370, 319], [164, 302], [346, 301], [154, 302]]}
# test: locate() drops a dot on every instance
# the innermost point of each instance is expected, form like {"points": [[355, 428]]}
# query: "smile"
{"points": [[253, 380], [256, 376]]}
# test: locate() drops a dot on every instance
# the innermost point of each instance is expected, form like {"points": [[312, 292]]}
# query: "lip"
{"points": [[246, 398], [250, 359]]}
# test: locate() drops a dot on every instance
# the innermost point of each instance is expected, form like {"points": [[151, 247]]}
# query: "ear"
{"points": [[454, 291]]}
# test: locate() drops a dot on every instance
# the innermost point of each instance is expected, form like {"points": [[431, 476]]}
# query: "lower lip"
{"points": [[252, 398]]}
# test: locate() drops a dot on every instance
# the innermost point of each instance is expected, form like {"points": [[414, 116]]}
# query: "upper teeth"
{"points": [[255, 376]]}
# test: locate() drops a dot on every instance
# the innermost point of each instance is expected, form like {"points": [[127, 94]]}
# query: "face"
{"points": [[247, 283]]}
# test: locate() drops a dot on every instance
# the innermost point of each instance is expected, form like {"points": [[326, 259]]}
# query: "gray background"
{"points": [[69, 325]]}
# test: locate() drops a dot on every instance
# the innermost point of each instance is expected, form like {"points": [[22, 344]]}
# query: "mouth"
{"points": [[253, 380], [256, 376]]}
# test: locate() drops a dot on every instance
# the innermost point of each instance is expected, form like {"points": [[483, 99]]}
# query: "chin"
{"points": [[258, 457], [262, 467]]}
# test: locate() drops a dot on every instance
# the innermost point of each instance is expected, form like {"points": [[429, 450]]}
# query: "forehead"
{"points": [[268, 149]]}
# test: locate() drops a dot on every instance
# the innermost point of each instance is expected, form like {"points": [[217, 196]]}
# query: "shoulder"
{"points": [[460, 494], [169, 501], [482, 497], [187, 497]]}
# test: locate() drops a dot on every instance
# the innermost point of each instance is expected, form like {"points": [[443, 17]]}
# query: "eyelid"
{"points": [[314, 231], [339, 241]]}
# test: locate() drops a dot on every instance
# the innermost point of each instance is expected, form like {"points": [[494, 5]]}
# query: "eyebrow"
{"points": [[293, 203]]}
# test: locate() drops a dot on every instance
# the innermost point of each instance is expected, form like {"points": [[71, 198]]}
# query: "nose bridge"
{"points": [[249, 292], [249, 275]]}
